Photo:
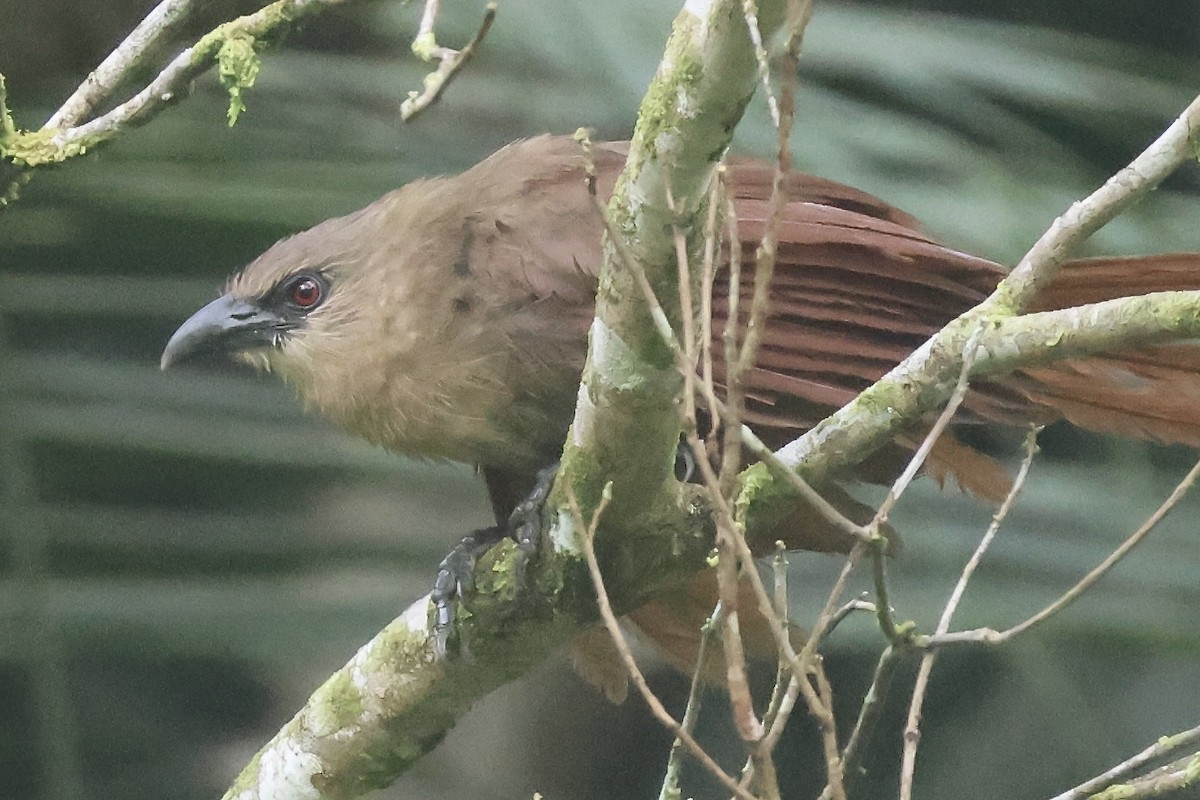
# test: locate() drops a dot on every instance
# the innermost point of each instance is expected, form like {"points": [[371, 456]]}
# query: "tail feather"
{"points": [[1093, 280], [1109, 396], [1150, 392]]}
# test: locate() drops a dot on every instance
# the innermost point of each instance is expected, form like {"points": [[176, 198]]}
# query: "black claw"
{"points": [[456, 573], [685, 462], [455, 576], [525, 523]]}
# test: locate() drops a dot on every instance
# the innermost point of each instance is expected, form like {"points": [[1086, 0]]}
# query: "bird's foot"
{"points": [[456, 572], [525, 524], [456, 576]]}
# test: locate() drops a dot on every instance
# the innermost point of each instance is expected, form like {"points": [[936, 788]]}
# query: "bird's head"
{"points": [[281, 310], [254, 320]]}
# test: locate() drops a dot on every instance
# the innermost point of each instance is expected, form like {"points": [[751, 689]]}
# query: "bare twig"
{"points": [[869, 714], [764, 270], [750, 12], [815, 636], [729, 336], [784, 664], [901, 484], [1175, 146], [729, 540], [912, 727], [588, 530], [712, 246], [450, 61], [670, 788], [846, 610], [900, 634], [820, 705], [991, 636], [1163, 747], [734, 556], [728, 537], [166, 18]]}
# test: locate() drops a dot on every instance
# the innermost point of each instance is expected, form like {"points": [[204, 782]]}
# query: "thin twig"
{"points": [[1176, 145], [912, 727], [1163, 747], [1179, 774], [749, 726], [712, 246], [729, 336], [737, 681], [869, 714], [764, 271], [820, 627], [750, 12], [670, 788], [820, 705], [738, 551], [450, 61], [588, 531], [846, 610], [1167, 779], [991, 636], [783, 665], [969, 354], [807, 493], [901, 634]]}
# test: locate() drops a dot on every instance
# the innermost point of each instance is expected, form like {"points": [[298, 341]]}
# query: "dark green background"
{"points": [[184, 557]]}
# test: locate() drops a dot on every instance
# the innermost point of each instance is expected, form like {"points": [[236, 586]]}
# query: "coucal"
{"points": [[449, 320]]}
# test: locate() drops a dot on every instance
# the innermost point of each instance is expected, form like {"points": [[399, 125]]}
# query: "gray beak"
{"points": [[227, 325]]}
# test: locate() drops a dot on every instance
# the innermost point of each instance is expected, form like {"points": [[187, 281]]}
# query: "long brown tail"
{"points": [[1150, 392]]}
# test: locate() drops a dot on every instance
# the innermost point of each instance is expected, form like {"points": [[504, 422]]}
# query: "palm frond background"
{"points": [[184, 557]]}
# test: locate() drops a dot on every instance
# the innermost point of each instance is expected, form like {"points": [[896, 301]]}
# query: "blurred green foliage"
{"points": [[183, 557]]}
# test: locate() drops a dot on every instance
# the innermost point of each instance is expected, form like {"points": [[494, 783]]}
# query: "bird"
{"points": [[448, 320]]}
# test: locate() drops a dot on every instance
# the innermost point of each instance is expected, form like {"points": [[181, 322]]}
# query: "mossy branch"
{"points": [[234, 47]]}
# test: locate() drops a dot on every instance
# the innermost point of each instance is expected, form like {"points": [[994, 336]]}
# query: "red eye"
{"points": [[305, 292]]}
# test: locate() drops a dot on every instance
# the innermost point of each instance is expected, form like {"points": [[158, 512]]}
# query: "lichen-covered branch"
{"points": [[1046, 336], [234, 47]]}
